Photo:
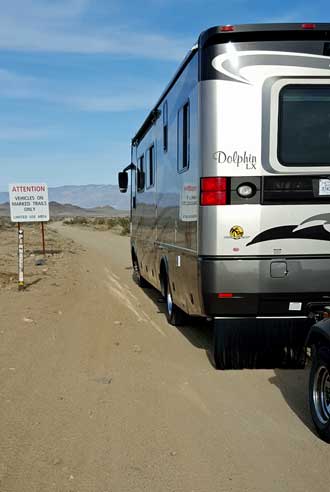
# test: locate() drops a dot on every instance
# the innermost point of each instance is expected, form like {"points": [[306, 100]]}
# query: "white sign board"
{"points": [[29, 202], [189, 203]]}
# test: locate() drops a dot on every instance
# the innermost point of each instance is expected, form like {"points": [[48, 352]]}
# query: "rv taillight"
{"points": [[213, 191], [308, 25], [227, 28], [214, 184]]}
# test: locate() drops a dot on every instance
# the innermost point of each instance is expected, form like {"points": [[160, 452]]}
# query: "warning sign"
{"points": [[188, 203], [29, 202]]}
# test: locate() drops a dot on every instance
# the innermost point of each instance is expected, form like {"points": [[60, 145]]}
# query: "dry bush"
{"points": [[76, 221], [99, 221], [5, 223], [111, 223], [124, 222], [102, 223]]}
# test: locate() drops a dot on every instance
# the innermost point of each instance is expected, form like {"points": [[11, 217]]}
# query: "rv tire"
{"points": [[141, 281], [175, 316], [319, 391]]}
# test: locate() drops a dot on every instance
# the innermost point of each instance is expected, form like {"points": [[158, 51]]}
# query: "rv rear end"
{"points": [[264, 215]]}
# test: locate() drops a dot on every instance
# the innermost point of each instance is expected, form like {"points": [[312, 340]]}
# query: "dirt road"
{"points": [[99, 394]]}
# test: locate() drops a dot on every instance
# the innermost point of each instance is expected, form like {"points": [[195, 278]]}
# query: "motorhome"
{"points": [[230, 190]]}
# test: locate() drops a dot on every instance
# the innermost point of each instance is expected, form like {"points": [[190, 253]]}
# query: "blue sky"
{"points": [[77, 77]]}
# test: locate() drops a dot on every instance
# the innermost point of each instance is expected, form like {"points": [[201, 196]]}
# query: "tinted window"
{"points": [[183, 137], [304, 125], [165, 127], [140, 170], [151, 166]]}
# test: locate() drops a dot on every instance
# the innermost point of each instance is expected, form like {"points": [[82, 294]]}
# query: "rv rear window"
{"points": [[304, 125]]}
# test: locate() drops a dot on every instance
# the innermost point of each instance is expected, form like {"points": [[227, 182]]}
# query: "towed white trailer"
{"points": [[230, 190]]}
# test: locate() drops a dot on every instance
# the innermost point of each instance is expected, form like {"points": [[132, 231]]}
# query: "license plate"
{"points": [[324, 187]]}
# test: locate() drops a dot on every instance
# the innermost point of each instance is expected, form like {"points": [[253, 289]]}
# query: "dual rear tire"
{"points": [[319, 391]]}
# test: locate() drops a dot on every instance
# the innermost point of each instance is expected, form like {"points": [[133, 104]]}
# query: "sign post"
{"points": [[43, 238], [28, 203], [20, 257]]}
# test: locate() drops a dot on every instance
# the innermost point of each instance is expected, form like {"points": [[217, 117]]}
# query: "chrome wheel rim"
{"points": [[169, 302], [321, 394]]}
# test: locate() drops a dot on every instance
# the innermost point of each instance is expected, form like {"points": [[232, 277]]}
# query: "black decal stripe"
{"points": [[286, 232], [283, 232]]}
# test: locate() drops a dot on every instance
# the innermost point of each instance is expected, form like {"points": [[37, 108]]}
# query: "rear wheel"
{"points": [[175, 316], [141, 281], [319, 392]]}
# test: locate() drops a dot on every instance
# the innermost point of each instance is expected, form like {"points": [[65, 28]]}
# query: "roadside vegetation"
{"points": [[117, 224], [5, 223]]}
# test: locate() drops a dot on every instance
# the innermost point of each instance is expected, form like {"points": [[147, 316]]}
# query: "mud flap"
{"points": [[260, 343]]}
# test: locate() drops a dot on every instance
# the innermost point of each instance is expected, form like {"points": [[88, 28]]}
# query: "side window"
{"points": [[151, 166], [165, 127], [184, 137], [141, 169]]}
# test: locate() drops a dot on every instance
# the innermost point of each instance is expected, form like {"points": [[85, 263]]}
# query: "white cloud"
{"points": [[41, 26], [60, 26], [126, 101], [10, 134], [15, 85], [132, 97], [304, 13]]}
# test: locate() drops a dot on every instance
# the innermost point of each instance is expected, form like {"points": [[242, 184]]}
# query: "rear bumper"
{"points": [[264, 286]]}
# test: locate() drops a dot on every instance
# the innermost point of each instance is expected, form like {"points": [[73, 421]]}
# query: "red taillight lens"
{"points": [[308, 25], [213, 191], [227, 28], [213, 198], [214, 184], [225, 295]]}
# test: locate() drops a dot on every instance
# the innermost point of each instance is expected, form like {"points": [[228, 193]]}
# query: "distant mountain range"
{"points": [[67, 210], [86, 196]]}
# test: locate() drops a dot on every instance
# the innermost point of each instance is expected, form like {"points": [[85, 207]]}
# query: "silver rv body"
{"points": [[234, 213]]}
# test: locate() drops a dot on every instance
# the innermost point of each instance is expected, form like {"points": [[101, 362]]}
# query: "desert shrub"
{"points": [[99, 221], [5, 223], [111, 223], [76, 221], [67, 221], [124, 222]]}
